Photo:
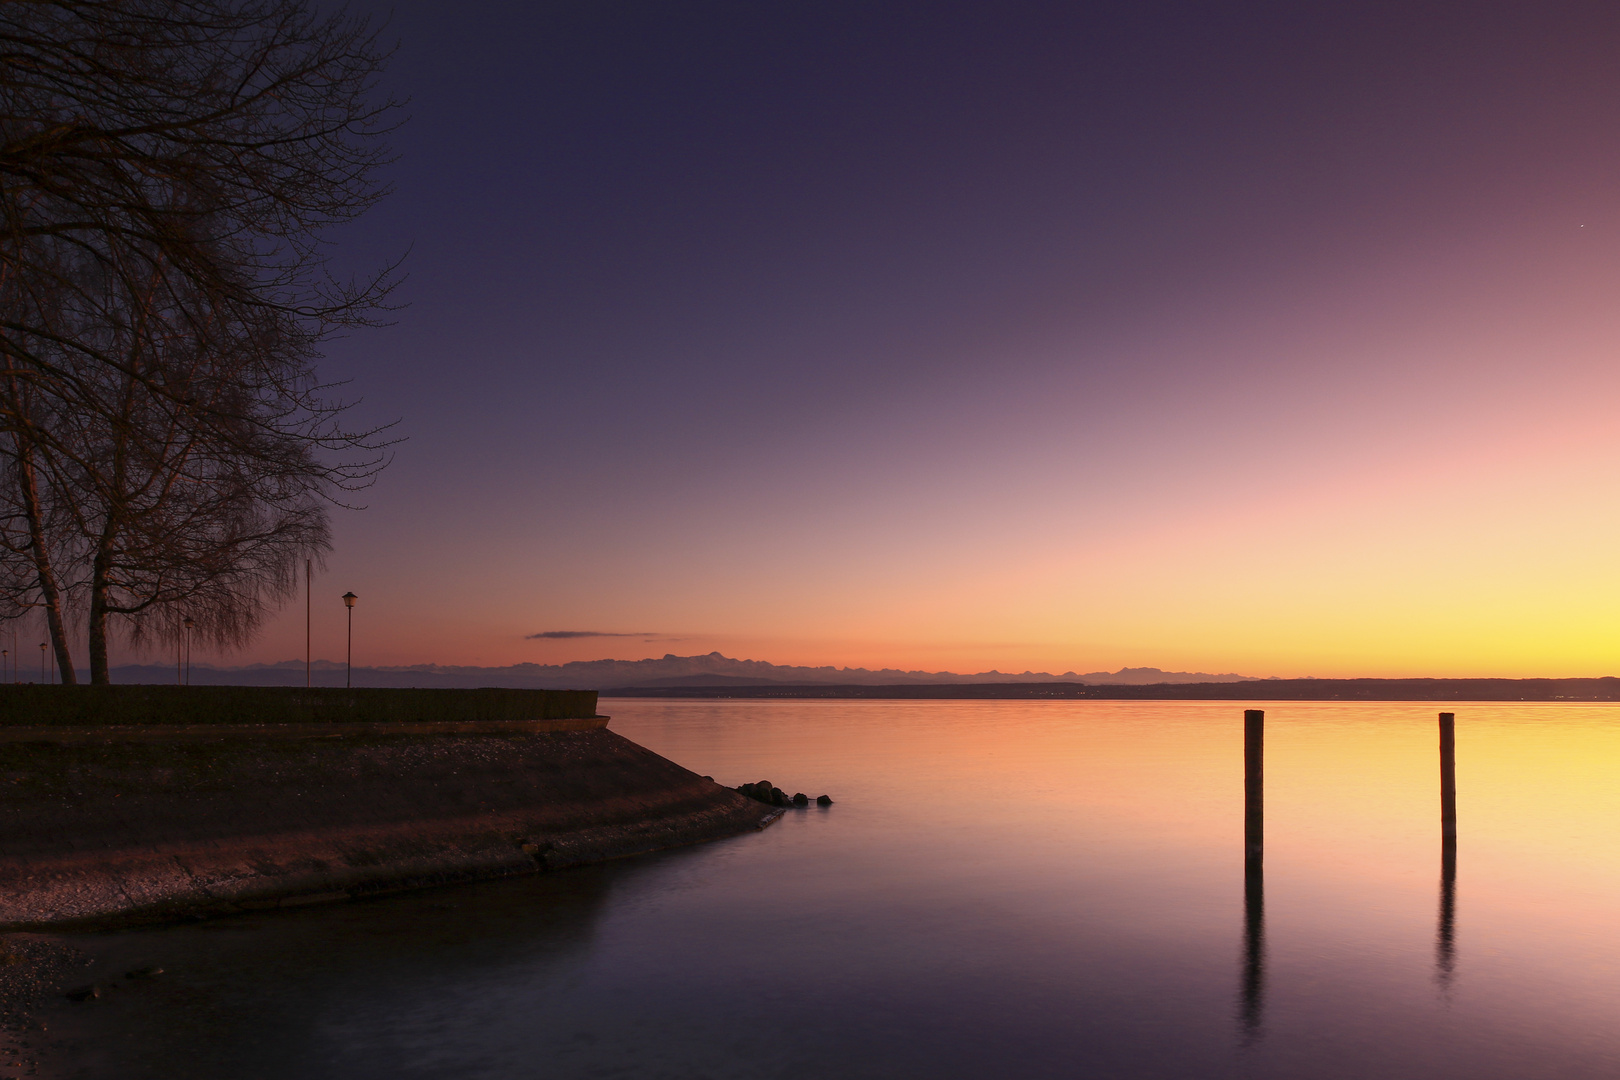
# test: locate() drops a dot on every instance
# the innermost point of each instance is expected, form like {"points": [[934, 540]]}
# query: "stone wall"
{"points": [[120, 824]]}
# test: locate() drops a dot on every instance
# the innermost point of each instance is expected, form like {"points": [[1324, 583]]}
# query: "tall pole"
{"points": [[348, 601], [1251, 1006], [1448, 777], [43, 678], [1445, 936], [308, 571], [1254, 791]]}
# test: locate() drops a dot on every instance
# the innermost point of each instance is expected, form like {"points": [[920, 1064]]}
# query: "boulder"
{"points": [[762, 791]]}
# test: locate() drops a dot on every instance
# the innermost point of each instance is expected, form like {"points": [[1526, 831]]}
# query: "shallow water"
{"points": [[1032, 889]]}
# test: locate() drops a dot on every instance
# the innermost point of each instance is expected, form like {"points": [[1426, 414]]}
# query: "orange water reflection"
{"points": [[1035, 889], [1125, 820]]}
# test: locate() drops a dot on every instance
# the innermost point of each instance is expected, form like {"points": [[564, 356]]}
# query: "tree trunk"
{"points": [[99, 673], [50, 593]]}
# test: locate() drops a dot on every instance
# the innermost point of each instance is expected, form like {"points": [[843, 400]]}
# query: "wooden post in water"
{"points": [[1251, 1000], [1448, 777], [1445, 945], [1254, 790]]}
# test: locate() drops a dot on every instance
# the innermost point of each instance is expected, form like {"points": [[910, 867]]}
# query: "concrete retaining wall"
{"points": [[132, 823]]}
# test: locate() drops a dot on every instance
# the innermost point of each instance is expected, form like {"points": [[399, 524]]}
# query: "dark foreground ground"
{"points": [[115, 827], [115, 831]]}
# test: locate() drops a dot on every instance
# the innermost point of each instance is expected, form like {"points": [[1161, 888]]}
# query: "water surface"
{"points": [[1032, 889]]}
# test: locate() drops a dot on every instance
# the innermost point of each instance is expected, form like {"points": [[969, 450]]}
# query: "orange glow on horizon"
{"points": [[1409, 474]]}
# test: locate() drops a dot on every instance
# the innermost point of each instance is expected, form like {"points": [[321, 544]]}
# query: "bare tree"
{"points": [[219, 139], [168, 172], [35, 535], [188, 481], [187, 496]]}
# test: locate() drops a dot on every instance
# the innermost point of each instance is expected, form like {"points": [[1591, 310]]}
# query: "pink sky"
{"points": [[1035, 339]]}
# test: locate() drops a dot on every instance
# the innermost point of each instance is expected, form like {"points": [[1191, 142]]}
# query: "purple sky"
{"points": [[1219, 337]]}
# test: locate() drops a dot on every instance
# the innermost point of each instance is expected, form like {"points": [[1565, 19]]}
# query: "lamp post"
{"points": [[348, 601], [42, 677], [188, 625]]}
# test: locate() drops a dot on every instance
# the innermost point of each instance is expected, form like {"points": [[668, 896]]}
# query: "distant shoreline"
{"points": [[1602, 689]]}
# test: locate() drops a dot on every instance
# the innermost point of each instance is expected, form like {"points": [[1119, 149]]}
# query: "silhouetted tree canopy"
{"points": [[169, 173]]}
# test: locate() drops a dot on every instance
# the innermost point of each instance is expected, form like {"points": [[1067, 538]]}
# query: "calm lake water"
{"points": [[1029, 889]]}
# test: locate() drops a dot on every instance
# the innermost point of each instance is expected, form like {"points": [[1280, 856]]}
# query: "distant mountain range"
{"points": [[671, 671]]}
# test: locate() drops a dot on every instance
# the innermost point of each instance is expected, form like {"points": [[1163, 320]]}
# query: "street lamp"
{"points": [[188, 625], [42, 676], [348, 601]]}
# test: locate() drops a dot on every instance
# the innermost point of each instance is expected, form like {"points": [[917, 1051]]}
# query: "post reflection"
{"points": [[1252, 994], [1251, 1006], [1445, 955]]}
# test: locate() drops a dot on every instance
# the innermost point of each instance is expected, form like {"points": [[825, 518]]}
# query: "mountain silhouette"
{"points": [[713, 669]]}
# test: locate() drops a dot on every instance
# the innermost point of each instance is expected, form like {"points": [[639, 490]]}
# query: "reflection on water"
{"points": [[1445, 943], [1041, 889], [246, 997], [1252, 1011]]}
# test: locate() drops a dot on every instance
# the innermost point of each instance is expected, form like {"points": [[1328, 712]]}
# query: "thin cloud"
{"points": [[563, 635]]}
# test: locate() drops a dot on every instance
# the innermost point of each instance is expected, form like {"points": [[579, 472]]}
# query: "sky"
{"points": [[1271, 338]]}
